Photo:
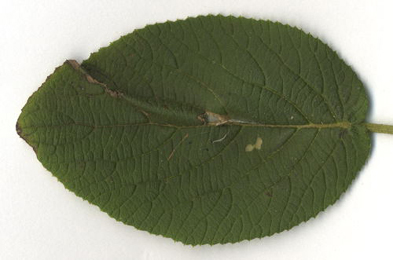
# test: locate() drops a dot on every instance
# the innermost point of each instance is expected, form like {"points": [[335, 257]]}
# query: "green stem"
{"points": [[377, 128]]}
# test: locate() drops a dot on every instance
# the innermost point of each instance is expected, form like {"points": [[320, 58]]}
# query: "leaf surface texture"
{"points": [[208, 130]]}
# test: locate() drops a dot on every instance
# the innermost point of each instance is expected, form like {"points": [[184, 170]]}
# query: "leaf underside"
{"points": [[208, 130]]}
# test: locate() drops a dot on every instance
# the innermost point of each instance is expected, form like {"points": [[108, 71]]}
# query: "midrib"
{"points": [[344, 125]]}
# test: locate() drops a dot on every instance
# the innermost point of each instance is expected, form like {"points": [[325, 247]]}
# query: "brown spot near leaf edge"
{"points": [[18, 130], [20, 133]]}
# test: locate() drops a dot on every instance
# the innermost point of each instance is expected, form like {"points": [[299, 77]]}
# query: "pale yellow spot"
{"points": [[249, 148], [257, 145]]}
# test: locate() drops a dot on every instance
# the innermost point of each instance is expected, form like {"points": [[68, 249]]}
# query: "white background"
{"points": [[40, 219]]}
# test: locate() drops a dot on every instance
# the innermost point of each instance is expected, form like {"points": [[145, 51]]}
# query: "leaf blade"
{"points": [[130, 131]]}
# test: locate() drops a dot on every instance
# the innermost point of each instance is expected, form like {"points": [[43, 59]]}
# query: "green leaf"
{"points": [[209, 130]]}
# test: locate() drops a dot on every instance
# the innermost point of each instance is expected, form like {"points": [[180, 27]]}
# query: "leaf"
{"points": [[209, 130]]}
